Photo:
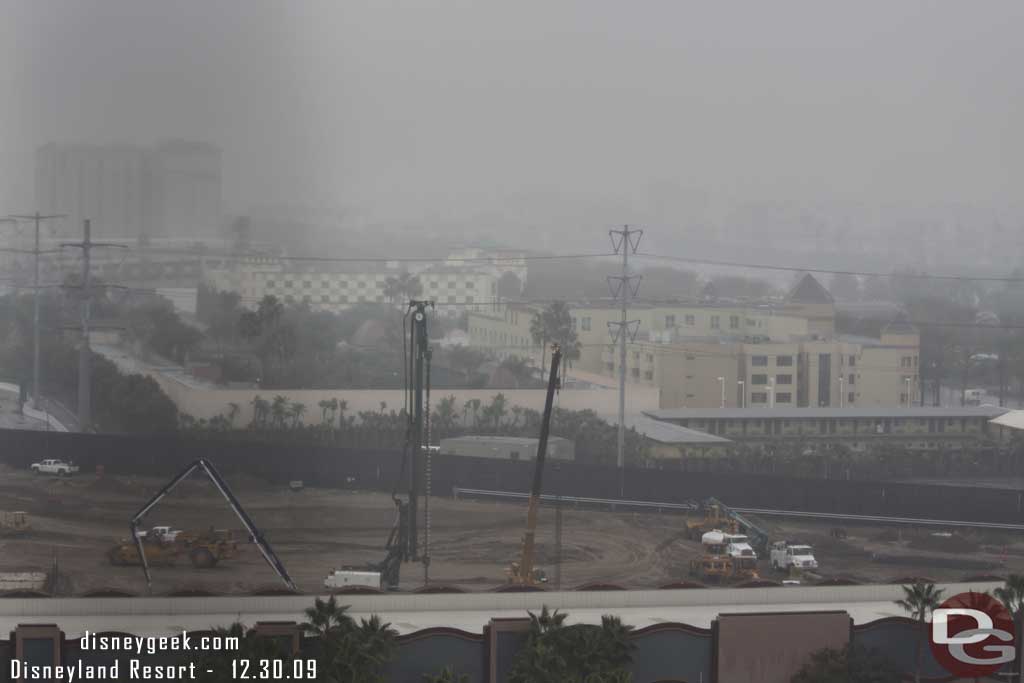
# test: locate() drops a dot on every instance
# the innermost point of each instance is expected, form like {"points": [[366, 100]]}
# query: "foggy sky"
{"points": [[448, 109]]}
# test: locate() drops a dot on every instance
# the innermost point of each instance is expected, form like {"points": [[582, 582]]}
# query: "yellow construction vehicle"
{"points": [[523, 573], [204, 549], [14, 523], [715, 517]]}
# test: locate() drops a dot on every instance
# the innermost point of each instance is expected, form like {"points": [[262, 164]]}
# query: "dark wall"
{"points": [[378, 470]]}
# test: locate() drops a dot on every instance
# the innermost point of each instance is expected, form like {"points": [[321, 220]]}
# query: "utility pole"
{"points": [[84, 352], [627, 240], [37, 217]]}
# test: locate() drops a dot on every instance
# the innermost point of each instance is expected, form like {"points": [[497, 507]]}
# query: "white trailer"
{"points": [[346, 578]]}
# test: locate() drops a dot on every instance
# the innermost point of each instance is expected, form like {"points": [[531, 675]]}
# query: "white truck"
{"points": [[786, 556], [347, 578], [58, 467], [744, 559]]}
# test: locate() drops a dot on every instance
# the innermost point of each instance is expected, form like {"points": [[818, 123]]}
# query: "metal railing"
{"points": [[614, 504]]}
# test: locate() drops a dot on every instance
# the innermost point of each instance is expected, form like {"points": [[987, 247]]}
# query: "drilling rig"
{"points": [[523, 573], [403, 541]]}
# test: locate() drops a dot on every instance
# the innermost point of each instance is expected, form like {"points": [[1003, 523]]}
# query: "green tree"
{"points": [[279, 411], [296, 410], [582, 653], [1011, 594], [554, 325], [852, 664], [349, 652], [919, 600]]}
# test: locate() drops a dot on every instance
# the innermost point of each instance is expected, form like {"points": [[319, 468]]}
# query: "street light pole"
{"points": [[722, 381], [909, 402], [771, 392], [841, 394], [743, 395]]}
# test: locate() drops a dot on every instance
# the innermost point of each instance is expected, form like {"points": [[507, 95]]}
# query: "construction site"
{"points": [[74, 522], [70, 531]]}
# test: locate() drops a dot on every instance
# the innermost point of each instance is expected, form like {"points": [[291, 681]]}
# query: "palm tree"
{"points": [[324, 405], [1012, 595], [260, 408], [326, 617], [296, 411], [232, 413], [342, 407], [919, 600], [279, 410], [497, 410]]}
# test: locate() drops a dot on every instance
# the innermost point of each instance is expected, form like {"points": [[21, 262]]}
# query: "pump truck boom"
{"points": [[222, 486], [523, 572]]}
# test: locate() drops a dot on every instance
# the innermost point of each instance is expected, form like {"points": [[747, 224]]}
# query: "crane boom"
{"points": [[222, 486], [524, 573]]}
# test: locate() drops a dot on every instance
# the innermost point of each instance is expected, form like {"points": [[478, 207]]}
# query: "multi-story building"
{"points": [[131, 192], [722, 354], [335, 287]]}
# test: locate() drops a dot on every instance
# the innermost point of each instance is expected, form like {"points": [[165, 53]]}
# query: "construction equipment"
{"points": [[205, 549], [717, 515], [403, 540], [14, 523], [523, 573], [788, 556], [727, 557]]}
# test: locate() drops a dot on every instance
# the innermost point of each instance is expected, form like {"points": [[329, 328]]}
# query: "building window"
{"points": [[759, 379], [288, 284], [325, 298], [759, 361], [758, 397], [715, 322], [307, 284], [649, 374], [270, 283], [670, 321], [636, 372], [470, 285], [905, 362], [852, 379], [469, 299], [690, 320], [783, 379], [650, 358], [751, 322], [783, 397], [853, 361], [849, 397], [734, 322], [585, 324], [784, 361]]}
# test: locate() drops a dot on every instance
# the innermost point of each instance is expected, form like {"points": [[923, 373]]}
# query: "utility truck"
{"points": [[788, 556], [347, 578]]}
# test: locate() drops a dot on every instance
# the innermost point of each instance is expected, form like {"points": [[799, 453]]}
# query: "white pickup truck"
{"points": [[787, 556], [58, 467]]}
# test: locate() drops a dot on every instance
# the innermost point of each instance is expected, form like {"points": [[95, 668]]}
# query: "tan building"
{"points": [[710, 355], [857, 428]]}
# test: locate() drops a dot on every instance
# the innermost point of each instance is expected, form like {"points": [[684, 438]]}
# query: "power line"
{"points": [[828, 271]]}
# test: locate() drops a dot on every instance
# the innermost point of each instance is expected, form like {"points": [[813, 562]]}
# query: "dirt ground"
{"points": [[76, 521]]}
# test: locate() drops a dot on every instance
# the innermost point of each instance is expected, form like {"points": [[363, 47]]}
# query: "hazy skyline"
{"points": [[447, 110]]}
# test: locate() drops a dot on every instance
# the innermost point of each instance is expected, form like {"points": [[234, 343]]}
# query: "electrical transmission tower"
{"points": [[624, 287], [37, 217], [84, 352]]}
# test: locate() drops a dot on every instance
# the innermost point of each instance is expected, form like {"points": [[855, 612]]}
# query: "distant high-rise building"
{"points": [[132, 192]]}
